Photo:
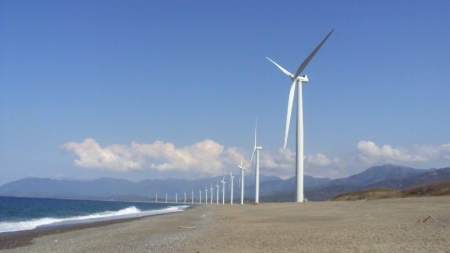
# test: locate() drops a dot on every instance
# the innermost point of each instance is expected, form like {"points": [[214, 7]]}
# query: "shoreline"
{"points": [[14, 239], [388, 225]]}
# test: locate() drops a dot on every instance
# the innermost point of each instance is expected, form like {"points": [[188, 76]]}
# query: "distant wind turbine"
{"points": [[200, 194], [256, 150], [176, 197], [156, 197], [206, 195], [241, 182], [212, 195], [166, 197], [223, 190], [185, 197], [231, 191], [297, 80], [217, 192], [192, 195]]}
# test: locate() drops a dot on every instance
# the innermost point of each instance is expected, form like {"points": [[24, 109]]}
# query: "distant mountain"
{"points": [[376, 176], [270, 186], [272, 189], [119, 189], [421, 179]]}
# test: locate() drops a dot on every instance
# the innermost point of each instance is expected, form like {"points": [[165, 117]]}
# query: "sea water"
{"points": [[19, 214]]}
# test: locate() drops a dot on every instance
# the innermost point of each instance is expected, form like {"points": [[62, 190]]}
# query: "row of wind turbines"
{"points": [[297, 81]]}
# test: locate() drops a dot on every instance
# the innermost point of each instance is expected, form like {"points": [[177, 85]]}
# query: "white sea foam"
{"points": [[129, 212]]}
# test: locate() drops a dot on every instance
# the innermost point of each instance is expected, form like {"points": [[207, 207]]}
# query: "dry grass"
{"points": [[368, 194], [433, 189]]}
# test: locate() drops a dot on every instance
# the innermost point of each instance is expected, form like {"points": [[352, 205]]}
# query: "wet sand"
{"points": [[360, 226]]}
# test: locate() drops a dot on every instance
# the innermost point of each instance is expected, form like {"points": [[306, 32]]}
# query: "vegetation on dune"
{"points": [[434, 189]]}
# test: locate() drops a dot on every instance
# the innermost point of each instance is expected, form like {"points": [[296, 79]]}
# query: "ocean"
{"points": [[21, 214]]}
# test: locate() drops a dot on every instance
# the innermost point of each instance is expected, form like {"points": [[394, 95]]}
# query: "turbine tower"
{"points": [[200, 194], [185, 197], [156, 197], [231, 191], [217, 192], [297, 80], [206, 195], [166, 197], [176, 197], [241, 182], [256, 150], [192, 195], [223, 190], [212, 196]]}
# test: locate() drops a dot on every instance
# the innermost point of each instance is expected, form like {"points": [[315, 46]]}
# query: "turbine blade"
{"points": [[306, 61], [256, 126], [253, 154], [282, 69], [289, 112]]}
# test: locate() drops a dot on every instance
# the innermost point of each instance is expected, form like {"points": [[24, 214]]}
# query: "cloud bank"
{"points": [[208, 158]]}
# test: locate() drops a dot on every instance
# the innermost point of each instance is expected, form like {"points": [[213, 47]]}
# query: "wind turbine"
{"points": [[231, 191], [217, 192], [192, 195], [241, 182], [212, 195], [185, 197], [206, 195], [166, 197], [256, 150], [200, 194], [223, 190], [176, 197], [297, 80], [156, 197]]}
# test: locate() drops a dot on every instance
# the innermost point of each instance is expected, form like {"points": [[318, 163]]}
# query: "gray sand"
{"points": [[361, 226]]}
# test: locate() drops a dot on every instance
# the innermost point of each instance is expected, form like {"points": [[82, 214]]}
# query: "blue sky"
{"points": [[157, 89]]}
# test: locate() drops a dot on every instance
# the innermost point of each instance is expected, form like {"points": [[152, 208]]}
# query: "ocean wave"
{"points": [[129, 212]]}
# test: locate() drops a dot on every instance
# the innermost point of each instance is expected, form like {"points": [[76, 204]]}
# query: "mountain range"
{"points": [[272, 189]]}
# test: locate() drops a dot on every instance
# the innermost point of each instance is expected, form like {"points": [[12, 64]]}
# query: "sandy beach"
{"points": [[360, 226]]}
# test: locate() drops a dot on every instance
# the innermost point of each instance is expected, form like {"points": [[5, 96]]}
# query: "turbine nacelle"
{"points": [[300, 79]]}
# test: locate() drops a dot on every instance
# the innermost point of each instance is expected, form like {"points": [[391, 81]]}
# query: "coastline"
{"points": [[390, 225], [10, 240]]}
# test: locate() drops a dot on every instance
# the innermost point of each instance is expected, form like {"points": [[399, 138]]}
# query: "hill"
{"points": [[434, 189], [386, 176]]}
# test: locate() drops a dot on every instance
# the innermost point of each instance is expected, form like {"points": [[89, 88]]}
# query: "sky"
{"points": [[173, 89]]}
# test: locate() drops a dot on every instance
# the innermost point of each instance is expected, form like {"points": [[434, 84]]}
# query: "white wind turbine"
{"points": [[176, 197], [212, 195], [192, 195], [206, 195], [256, 150], [217, 192], [231, 190], [241, 182], [185, 197], [298, 80], [223, 190], [200, 194], [166, 197]]}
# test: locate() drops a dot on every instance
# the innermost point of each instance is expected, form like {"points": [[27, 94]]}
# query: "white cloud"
{"points": [[91, 155], [207, 157], [370, 153]]}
